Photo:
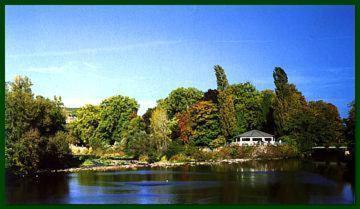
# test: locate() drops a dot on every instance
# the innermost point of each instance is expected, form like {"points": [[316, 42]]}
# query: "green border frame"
{"points": [[4, 3]]}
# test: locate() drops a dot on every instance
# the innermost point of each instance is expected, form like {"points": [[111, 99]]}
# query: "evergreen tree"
{"points": [[226, 104], [222, 82]]}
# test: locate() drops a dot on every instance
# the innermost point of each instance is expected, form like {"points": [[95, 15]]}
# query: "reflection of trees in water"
{"points": [[259, 165], [47, 188], [280, 181]]}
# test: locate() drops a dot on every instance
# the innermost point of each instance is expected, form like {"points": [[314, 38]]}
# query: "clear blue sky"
{"points": [[87, 53]]}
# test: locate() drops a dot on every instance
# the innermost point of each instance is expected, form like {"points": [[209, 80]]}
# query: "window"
{"points": [[256, 139], [245, 139], [268, 139]]}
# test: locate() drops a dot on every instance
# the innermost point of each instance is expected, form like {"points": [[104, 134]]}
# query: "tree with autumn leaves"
{"points": [[35, 126]]}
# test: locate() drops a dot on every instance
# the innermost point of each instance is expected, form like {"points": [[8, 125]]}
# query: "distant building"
{"points": [[70, 118], [255, 137]]}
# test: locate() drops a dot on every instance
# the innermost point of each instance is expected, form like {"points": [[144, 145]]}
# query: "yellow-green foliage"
{"points": [[144, 158], [179, 158]]}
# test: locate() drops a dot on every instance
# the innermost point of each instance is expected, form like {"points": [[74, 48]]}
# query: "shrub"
{"points": [[190, 148], [218, 142], [242, 151], [223, 153], [56, 152], [179, 158], [289, 140], [174, 148], [25, 154], [144, 158], [201, 155], [288, 150], [163, 159]]}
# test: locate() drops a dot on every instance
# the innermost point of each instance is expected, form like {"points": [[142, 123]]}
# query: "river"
{"points": [[253, 182]]}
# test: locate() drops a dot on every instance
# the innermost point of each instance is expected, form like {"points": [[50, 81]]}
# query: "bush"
{"points": [[190, 148], [174, 148], [144, 158], [163, 159], [289, 140], [202, 155], [57, 151], [288, 150], [25, 154], [179, 158], [138, 144], [223, 153], [218, 142]]}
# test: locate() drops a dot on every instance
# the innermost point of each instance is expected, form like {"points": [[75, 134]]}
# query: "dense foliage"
{"points": [[200, 124], [33, 128], [179, 128]]}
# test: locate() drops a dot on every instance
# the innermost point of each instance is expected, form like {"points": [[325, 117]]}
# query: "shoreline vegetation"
{"points": [[188, 126], [229, 154], [135, 165]]}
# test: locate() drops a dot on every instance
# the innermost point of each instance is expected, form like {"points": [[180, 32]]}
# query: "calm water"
{"points": [[283, 181]]}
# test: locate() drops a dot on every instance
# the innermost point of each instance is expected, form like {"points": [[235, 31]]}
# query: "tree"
{"points": [[185, 127], [19, 109], [291, 112], [57, 150], [50, 115], [350, 124], [160, 129], [86, 123], [114, 113], [200, 124], [212, 96], [25, 153], [30, 125], [280, 103], [247, 102], [226, 104], [180, 99], [131, 130], [221, 80], [227, 115], [146, 118], [288, 103], [326, 126], [267, 111]]}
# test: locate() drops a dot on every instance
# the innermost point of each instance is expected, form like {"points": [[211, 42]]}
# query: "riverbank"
{"points": [[137, 165]]}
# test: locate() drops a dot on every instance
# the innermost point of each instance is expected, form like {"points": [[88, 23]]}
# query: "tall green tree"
{"points": [[32, 125], [134, 130], [180, 99], [160, 129], [114, 114], [86, 123], [326, 125], [291, 112], [19, 109], [221, 79], [226, 104], [227, 115], [288, 103], [350, 124], [267, 111], [146, 118], [247, 101]]}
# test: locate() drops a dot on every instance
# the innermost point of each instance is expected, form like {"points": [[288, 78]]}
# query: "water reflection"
{"points": [[282, 181]]}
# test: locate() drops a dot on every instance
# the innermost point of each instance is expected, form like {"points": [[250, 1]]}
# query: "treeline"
{"points": [[180, 123], [35, 131]]}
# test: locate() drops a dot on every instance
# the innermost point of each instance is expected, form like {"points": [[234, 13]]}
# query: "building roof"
{"points": [[255, 133]]}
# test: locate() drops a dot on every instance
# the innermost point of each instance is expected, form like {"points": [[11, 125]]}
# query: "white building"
{"points": [[255, 137]]}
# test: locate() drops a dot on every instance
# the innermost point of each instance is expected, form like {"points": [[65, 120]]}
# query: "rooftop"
{"points": [[255, 133]]}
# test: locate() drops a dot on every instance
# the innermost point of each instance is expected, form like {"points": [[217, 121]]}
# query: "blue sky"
{"points": [[87, 53]]}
